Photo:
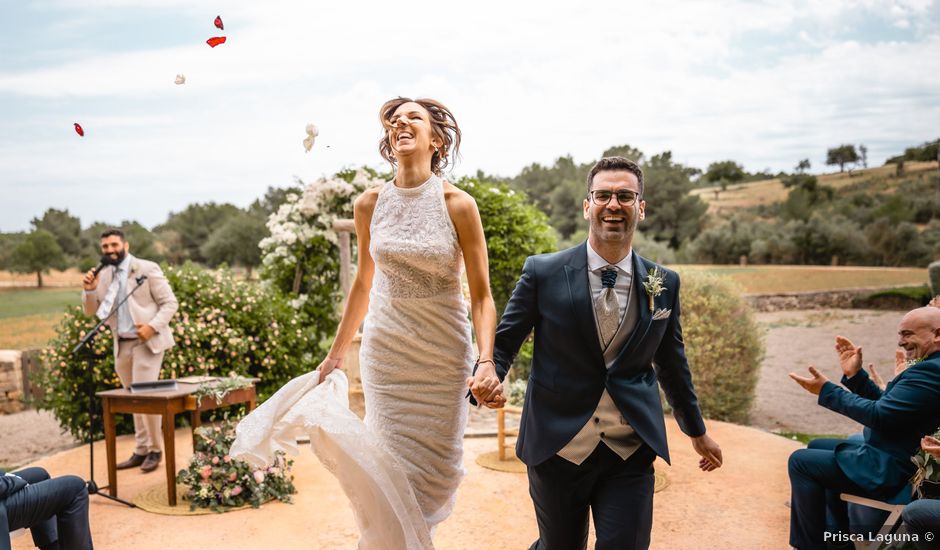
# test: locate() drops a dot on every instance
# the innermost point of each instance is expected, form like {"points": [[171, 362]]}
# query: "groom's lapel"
{"points": [[579, 291], [645, 317]]}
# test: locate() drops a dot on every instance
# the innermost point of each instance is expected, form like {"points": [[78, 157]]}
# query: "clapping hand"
{"points": [[931, 445], [850, 357], [812, 385]]}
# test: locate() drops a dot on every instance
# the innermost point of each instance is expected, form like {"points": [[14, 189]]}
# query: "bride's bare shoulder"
{"points": [[365, 202]]}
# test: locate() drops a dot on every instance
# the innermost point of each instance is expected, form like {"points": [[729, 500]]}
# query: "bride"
{"points": [[401, 466]]}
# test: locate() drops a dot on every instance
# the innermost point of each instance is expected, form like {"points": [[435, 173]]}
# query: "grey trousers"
{"points": [[136, 363]]}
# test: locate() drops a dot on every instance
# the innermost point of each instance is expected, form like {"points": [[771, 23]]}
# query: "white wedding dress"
{"points": [[401, 466]]}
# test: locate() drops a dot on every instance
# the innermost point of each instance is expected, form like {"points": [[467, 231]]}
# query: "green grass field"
{"points": [[771, 279], [28, 316]]}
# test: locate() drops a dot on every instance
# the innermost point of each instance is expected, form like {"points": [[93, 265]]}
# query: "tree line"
{"points": [[862, 224]]}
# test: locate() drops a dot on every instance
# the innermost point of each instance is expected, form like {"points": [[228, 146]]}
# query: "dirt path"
{"points": [[796, 339], [31, 434], [742, 505]]}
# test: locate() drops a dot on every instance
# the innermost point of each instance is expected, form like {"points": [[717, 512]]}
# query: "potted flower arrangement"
{"points": [[216, 480], [926, 480]]}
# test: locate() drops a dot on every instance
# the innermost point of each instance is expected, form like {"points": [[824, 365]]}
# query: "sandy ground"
{"points": [[28, 435], [741, 505], [796, 339]]}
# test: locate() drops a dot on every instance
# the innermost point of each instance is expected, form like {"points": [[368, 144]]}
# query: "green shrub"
{"points": [[515, 229], [723, 344], [223, 325], [933, 270]]}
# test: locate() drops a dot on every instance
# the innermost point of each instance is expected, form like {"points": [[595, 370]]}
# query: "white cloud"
{"points": [[526, 85]]}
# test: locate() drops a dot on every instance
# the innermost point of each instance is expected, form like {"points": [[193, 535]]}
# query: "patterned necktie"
{"points": [[105, 308], [607, 307]]}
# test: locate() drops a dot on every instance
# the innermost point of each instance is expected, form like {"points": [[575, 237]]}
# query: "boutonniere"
{"points": [[654, 285], [135, 267]]}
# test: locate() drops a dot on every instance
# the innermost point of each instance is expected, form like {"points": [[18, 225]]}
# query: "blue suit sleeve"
{"points": [[906, 400], [862, 385], [672, 369], [517, 321]]}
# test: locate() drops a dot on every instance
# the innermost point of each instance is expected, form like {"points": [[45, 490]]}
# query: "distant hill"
{"points": [[766, 192]]}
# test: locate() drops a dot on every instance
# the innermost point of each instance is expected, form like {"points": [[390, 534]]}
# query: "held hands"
{"points": [[90, 280], [850, 357], [710, 452], [145, 332], [931, 445], [327, 366], [485, 386], [812, 385]]}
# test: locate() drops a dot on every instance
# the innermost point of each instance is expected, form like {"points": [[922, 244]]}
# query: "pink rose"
{"points": [[233, 477], [215, 460], [206, 472], [237, 490], [259, 476], [227, 459]]}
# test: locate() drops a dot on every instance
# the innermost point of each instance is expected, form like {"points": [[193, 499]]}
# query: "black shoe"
{"points": [[134, 460], [151, 462]]}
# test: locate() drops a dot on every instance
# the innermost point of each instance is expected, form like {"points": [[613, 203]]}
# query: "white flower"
{"points": [[298, 302], [180, 79]]}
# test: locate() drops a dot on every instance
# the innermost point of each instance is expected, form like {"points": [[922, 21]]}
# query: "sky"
{"points": [[763, 83]]}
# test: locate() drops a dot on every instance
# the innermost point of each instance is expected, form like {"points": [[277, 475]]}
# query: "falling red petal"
{"points": [[218, 22], [215, 41], [79, 130]]}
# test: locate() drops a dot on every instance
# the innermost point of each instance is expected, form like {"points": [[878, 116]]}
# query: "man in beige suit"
{"points": [[141, 329]]}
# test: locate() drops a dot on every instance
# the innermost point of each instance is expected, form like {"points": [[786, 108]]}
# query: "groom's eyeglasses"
{"points": [[624, 197]]}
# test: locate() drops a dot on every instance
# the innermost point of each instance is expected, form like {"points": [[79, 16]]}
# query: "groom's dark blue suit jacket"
{"points": [[568, 376]]}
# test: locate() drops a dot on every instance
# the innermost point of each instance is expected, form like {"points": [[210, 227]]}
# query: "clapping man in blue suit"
{"points": [[895, 420], [592, 422]]}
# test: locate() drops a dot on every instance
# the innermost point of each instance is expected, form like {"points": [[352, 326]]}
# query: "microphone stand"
{"points": [[88, 354]]}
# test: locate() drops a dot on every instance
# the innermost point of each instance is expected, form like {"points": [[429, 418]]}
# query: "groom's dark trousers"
{"points": [[618, 492], [570, 373]]}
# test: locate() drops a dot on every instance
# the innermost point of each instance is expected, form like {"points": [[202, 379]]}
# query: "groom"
{"points": [[592, 423]]}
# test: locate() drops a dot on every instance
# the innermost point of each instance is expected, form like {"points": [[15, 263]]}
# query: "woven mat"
{"points": [[154, 500], [515, 466]]}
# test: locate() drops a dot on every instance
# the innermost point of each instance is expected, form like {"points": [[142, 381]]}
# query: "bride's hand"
{"points": [[327, 366]]}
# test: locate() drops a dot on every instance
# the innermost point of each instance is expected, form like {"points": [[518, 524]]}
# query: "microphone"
{"points": [[140, 279], [103, 263]]}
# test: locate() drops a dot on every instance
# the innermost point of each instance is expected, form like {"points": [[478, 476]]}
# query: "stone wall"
{"points": [[858, 298], [11, 382]]}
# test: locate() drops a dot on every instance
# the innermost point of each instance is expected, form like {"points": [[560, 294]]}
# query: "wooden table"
{"points": [[167, 404]]}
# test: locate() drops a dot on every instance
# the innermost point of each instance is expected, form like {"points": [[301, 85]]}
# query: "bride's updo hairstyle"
{"points": [[443, 125]]}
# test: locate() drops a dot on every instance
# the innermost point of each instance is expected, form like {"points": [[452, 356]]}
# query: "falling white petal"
{"points": [[180, 79], [312, 134]]}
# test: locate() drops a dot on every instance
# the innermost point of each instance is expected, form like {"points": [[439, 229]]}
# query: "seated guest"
{"points": [[55, 510], [923, 516], [895, 419]]}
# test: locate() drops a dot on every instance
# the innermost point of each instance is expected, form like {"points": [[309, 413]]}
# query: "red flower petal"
{"points": [[79, 130], [218, 22], [215, 41]]}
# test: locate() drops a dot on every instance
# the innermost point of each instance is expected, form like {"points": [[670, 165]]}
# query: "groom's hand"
{"points": [[710, 452], [485, 386]]}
